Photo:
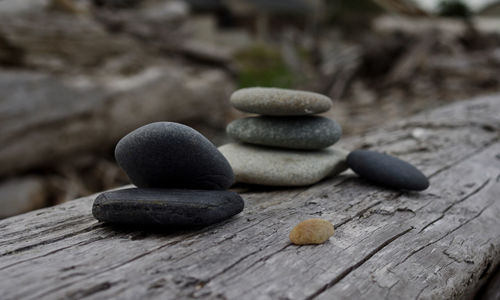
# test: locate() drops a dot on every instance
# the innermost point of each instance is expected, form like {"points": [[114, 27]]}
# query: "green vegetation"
{"points": [[342, 11], [262, 65], [454, 8]]}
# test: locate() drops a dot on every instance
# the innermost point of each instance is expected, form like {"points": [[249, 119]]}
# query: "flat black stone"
{"points": [[386, 170], [164, 207], [172, 155]]}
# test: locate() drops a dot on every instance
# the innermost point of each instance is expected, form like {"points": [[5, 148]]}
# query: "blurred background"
{"points": [[77, 75]]}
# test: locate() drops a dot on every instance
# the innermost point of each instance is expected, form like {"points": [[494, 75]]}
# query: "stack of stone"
{"points": [[286, 145], [181, 180]]}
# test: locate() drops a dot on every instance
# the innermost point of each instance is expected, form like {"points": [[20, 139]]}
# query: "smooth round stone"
{"points": [[279, 102], [280, 167], [172, 155], [312, 231], [309, 132], [387, 170], [182, 208]]}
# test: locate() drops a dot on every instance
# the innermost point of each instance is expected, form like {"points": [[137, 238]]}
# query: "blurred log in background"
{"points": [[76, 75]]}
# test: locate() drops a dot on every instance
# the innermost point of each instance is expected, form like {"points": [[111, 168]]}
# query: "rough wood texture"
{"points": [[62, 40], [46, 118], [442, 243]]}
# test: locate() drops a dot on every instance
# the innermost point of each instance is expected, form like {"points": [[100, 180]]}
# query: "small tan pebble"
{"points": [[312, 231]]}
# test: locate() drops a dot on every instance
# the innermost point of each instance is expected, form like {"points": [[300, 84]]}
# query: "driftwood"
{"points": [[340, 67], [442, 243], [46, 118], [95, 79], [406, 66], [68, 42], [62, 42]]}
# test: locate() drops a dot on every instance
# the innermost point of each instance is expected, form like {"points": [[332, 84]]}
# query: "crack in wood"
{"points": [[363, 211], [467, 125], [54, 251], [356, 215], [465, 157], [52, 228], [116, 266], [443, 213], [262, 259], [347, 271], [420, 292], [83, 293], [450, 256], [390, 289], [442, 237], [49, 241]]}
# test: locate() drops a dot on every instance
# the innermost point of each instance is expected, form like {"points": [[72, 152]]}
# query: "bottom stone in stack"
{"points": [[283, 167]]}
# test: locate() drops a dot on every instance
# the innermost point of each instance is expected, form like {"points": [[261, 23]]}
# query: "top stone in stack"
{"points": [[279, 102], [286, 128]]}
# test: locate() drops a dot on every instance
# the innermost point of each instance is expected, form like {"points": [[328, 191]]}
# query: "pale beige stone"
{"points": [[312, 231], [282, 167]]}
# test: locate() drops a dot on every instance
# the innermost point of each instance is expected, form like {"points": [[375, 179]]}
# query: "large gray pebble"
{"points": [[172, 155], [308, 132], [280, 167], [279, 102]]}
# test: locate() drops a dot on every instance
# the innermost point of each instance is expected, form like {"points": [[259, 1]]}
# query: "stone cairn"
{"points": [[287, 144], [183, 180]]}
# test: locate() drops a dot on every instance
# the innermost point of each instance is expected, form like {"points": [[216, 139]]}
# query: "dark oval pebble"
{"points": [[387, 170], [172, 155], [180, 208]]}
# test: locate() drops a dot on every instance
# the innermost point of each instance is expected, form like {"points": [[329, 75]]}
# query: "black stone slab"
{"points": [[165, 207]]}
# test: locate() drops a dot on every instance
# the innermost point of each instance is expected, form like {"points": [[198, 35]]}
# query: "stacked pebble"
{"points": [[286, 145], [181, 180]]}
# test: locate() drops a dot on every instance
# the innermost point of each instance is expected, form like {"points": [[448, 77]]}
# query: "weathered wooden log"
{"points": [[21, 195], [441, 243], [63, 42], [68, 42], [410, 61], [46, 118]]}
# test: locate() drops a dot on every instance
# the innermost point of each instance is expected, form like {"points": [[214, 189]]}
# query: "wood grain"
{"points": [[441, 243]]}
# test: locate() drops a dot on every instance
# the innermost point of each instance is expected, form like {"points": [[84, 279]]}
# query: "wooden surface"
{"points": [[442, 243]]}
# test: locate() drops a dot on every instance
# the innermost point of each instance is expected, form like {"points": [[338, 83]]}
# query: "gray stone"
{"points": [[279, 102], [308, 132], [281, 167], [172, 155], [178, 208]]}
